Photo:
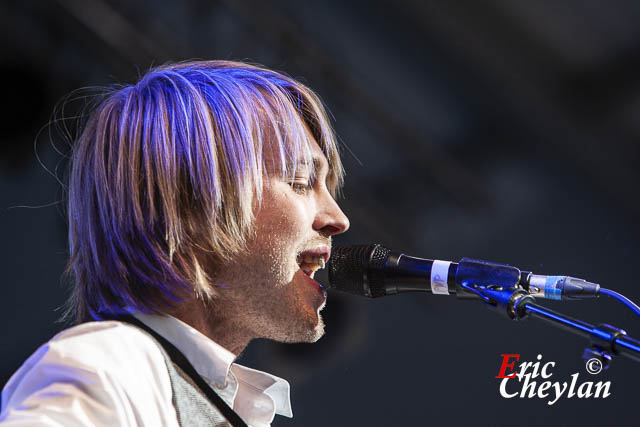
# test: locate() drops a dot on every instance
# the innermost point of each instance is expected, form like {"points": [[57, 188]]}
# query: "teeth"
{"points": [[311, 263], [318, 261]]}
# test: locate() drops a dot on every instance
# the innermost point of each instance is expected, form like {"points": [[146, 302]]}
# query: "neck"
{"points": [[210, 319]]}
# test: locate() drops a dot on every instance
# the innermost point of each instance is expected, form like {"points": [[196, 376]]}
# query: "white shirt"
{"points": [[112, 374]]}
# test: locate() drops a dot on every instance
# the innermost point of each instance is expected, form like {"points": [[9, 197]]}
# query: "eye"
{"points": [[301, 187]]}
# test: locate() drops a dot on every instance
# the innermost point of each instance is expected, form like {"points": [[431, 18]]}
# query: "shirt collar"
{"points": [[214, 362]]}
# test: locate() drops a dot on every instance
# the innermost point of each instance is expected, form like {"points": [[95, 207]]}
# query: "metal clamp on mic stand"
{"points": [[505, 295]]}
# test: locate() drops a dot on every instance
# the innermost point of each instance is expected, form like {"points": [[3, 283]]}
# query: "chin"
{"points": [[304, 332], [318, 331]]}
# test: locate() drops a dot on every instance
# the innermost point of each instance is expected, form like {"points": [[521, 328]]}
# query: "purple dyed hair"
{"points": [[165, 174]]}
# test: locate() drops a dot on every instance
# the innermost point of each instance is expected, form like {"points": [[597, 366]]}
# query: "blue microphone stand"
{"points": [[517, 303]]}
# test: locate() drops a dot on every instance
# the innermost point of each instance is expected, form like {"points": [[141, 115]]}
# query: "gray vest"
{"points": [[192, 406]]}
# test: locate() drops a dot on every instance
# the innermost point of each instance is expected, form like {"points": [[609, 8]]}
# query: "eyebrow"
{"points": [[316, 161]]}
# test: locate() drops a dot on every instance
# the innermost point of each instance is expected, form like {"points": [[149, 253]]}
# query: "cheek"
{"points": [[280, 229], [283, 218]]}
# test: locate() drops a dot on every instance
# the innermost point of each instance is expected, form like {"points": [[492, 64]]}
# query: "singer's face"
{"points": [[273, 292]]}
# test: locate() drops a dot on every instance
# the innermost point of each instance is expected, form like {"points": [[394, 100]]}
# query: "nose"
{"points": [[329, 218]]}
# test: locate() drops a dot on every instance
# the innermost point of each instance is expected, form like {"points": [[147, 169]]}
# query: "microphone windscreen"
{"points": [[358, 269]]}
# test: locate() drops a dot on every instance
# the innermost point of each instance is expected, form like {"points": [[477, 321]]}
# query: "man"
{"points": [[201, 202]]}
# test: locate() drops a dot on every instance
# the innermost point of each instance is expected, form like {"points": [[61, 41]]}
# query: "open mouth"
{"points": [[309, 263], [314, 259]]}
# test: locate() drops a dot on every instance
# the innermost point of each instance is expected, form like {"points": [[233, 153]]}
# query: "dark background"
{"points": [[502, 130]]}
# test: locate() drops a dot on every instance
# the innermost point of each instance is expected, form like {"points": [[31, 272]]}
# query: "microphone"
{"points": [[375, 271]]}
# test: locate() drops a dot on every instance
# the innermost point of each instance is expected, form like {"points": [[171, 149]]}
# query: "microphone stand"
{"points": [[605, 340]]}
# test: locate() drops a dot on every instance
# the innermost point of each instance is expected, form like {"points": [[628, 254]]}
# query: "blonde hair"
{"points": [[169, 169]]}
